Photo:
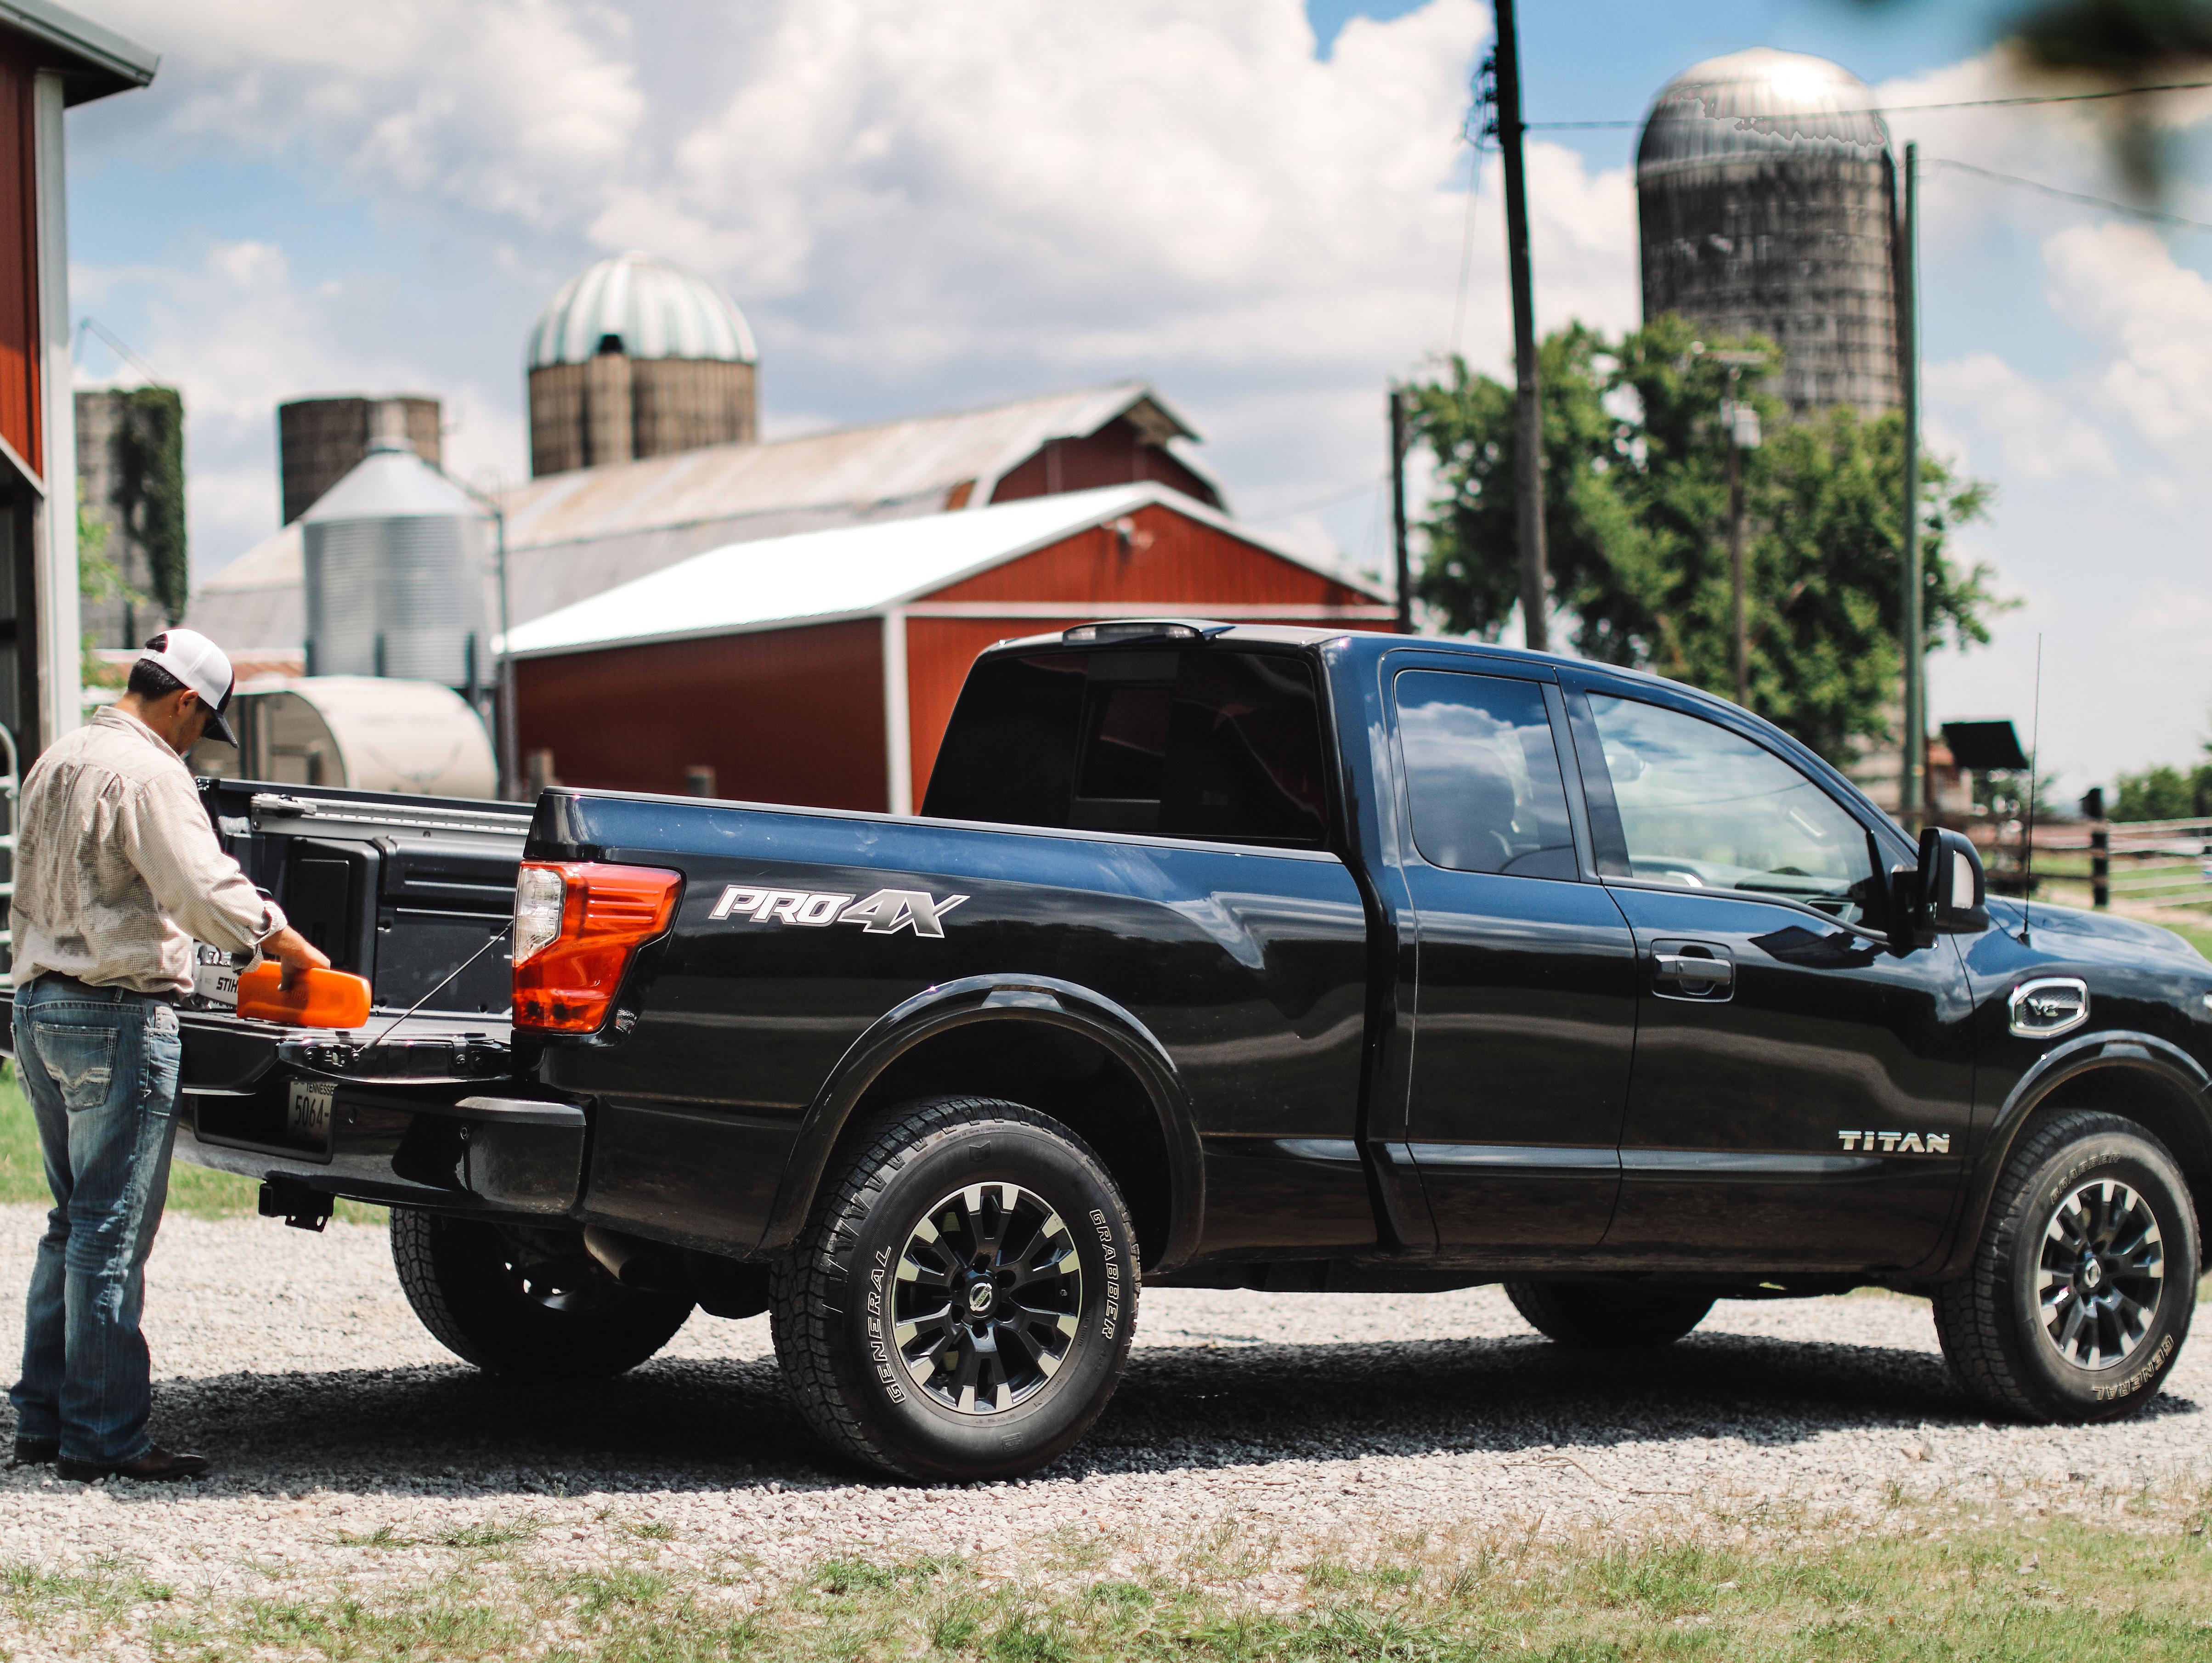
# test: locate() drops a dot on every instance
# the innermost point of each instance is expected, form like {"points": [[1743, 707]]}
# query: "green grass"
{"points": [[1923, 1590], [196, 1191], [2197, 936]]}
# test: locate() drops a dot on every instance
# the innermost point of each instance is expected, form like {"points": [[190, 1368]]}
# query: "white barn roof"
{"points": [[859, 571], [574, 534]]}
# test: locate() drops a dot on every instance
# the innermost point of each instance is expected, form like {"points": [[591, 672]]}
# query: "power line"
{"points": [[2073, 196], [1917, 109], [1346, 494]]}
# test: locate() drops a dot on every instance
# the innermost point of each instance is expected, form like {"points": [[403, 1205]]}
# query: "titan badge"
{"points": [[885, 912], [1898, 1142]]}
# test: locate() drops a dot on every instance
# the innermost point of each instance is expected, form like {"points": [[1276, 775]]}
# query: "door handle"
{"points": [[1684, 967]]}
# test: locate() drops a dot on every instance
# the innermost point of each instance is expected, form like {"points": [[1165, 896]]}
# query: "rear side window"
{"points": [[1482, 775], [1224, 746]]}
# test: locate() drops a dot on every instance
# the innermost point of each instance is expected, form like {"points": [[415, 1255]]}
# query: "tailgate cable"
{"points": [[493, 941]]}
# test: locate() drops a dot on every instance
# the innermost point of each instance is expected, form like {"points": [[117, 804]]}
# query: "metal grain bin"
{"points": [[1767, 201], [395, 575]]}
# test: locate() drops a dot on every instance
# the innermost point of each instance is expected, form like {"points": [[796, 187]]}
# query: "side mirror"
{"points": [[1953, 895], [1944, 894]]}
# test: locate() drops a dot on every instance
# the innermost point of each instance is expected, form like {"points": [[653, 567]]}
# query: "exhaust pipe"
{"points": [[643, 1265]]}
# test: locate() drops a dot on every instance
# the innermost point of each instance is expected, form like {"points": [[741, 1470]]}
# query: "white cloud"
{"points": [[239, 334], [498, 105], [2039, 433], [921, 203], [2154, 316]]}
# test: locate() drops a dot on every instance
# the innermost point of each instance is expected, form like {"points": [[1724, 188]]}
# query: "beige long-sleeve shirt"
{"points": [[117, 868]]}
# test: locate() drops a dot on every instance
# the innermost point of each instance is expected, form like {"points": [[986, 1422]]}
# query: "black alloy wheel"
{"points": [[989, 1297], [2079, 1294], [2100, 1274], [550, 1270], [960, 1303]]}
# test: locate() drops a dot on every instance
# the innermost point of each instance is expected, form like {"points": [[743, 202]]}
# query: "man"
{"points": [[117, 871]]}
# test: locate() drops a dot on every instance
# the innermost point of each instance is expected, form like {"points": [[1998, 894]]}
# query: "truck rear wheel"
{"points": [[1607, 1316], [959, 1305], [526, 1301], [2081, 1291]]}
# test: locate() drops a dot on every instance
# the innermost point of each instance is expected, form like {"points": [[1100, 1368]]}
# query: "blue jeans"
{"points": [[99, 1066]]}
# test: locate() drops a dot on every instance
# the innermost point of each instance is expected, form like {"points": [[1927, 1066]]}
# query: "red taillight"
{"points": [[565, 984]]}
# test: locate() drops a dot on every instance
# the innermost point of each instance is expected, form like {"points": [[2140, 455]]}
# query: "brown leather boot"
{"points": [[36, 1452], [154, 1466]]}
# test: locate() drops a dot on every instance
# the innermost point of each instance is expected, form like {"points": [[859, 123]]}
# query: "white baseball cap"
{"points": [[201, 665]]}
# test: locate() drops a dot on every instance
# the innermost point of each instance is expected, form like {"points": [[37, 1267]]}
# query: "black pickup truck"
{"points": [[1253, 957]]}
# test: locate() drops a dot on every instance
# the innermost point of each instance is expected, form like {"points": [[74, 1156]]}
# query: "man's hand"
{"points": [[295, 953]]}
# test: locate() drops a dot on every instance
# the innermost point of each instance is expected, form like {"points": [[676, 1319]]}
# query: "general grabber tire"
{"points": [[2081, 1288], [960, 1303], [1607, 1316], [526, 1301]]}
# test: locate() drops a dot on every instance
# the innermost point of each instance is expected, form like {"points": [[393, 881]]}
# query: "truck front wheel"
{"points": [[523, 1300], [2081, 1291], [1607, 1316], [960, 1303]]}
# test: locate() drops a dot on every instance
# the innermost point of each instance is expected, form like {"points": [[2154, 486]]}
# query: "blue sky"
{"points": [[1259, 209]]}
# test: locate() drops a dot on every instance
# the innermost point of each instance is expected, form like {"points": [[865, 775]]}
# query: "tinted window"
{"points": [[1009, 754], [1483, 775], [1707, 808], [1220, 745]]}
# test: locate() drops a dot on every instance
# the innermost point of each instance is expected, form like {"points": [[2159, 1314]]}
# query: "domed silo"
{"points": [[395, 575], [1768, 199], [636, 357]]}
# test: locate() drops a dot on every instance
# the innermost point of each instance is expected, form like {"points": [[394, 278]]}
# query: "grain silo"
{"points": [[395, 575], [634, 357], [319, 439], [1767, 199]]}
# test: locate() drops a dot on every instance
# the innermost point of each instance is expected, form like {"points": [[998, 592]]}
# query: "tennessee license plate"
{"points": [[308, 1113]]}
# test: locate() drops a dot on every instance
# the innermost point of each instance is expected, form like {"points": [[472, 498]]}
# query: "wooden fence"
{"points": [[2132, 863]]}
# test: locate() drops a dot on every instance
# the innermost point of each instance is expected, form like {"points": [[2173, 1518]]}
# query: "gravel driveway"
{"points": [[1327, 1422]]}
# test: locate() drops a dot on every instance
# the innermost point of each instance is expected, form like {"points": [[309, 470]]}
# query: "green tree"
{"points": [[2163, 793], [149, 490], [97, 579], [1636, 512]]}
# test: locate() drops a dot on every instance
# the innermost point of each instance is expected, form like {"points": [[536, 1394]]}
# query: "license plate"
{"points": [[215, 978], [307, 1112]]}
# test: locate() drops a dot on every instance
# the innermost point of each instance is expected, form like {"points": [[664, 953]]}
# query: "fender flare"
{"points": [[2087, 1053], [999, 998]]}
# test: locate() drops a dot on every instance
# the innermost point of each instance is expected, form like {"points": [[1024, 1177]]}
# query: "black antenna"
{"points": [[2034, 754]]}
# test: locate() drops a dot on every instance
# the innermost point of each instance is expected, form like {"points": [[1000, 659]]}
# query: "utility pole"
{"points": [[1528, 392], [510, 776], [1739, 422], [1398, 510], [1913, 782], [1739, 645]]}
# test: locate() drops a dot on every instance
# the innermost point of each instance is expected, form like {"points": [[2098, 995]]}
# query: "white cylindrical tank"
{"points": [[365, 732], [394, 569]]}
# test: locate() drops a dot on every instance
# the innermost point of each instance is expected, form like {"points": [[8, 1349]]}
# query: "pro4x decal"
{"points": [[885, 912]]}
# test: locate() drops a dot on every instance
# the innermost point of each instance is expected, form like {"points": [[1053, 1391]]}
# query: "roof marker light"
{"points": [[1130, 629]]}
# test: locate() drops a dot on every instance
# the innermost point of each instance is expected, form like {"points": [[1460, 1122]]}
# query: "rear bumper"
{"points": [[433, 1115], [476, 1153]]}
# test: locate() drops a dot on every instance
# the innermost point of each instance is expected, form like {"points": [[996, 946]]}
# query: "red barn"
{"points": [[51, 60], [822, 669]]}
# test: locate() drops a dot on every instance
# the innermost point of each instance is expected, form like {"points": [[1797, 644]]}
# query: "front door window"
{"points": [[1706, 808]]}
